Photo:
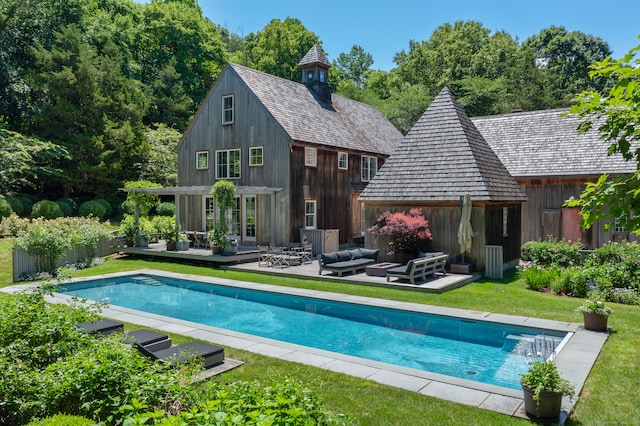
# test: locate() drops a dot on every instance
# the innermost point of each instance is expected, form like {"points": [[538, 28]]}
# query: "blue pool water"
{"points": [[490, 353]]}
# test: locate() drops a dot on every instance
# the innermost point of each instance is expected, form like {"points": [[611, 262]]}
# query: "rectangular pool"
{"points": [[482, 351]]}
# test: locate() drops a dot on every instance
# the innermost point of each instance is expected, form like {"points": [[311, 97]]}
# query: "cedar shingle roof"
{"points": [[441, 158], [314, 56], [344, 123], [547, 144]]}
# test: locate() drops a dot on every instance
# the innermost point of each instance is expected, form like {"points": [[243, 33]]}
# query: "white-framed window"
{"points": [[310, 157], [255, 156], [310, 214], [343, 161], [227, 109], [202, 160], [619, 227], [369, 168], [228, 164]]}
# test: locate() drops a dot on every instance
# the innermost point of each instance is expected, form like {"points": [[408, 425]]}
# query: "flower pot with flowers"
{"points": [[403, 232], [595, 313], [543, 388]]}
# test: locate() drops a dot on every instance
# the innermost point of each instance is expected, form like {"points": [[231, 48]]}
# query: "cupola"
{"points": [[315, 72]]}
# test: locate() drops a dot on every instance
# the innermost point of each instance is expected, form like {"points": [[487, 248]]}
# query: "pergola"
{"points": [[202, 190]]}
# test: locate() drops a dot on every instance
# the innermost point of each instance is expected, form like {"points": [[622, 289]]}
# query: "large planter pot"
{"points": [[594, 321], [171, 246], [231, 248], [142, 242], [546, 407], [182, 245], [216, 249]]}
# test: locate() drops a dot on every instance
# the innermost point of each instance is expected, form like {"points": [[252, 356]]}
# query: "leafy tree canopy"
{"points": [[618, 197]]}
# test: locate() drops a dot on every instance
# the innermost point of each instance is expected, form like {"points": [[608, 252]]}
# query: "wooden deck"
{"points": [[247, 260]]}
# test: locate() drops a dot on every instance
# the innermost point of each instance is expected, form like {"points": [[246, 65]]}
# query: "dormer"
{"points": [[315, 72]]}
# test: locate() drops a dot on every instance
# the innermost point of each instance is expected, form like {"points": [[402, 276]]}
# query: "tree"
{"points": [[26, 162], [278, 48], [161, 164], [564, 58], [354, 65], [614, 198]]}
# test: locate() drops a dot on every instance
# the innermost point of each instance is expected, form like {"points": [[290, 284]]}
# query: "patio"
{"points": [[247, 260]]}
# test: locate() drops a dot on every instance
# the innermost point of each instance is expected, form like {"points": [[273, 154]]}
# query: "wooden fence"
{"points": [[23, 263]]}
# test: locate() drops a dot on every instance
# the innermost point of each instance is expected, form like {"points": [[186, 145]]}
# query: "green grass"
{"points": [[608, 396]]}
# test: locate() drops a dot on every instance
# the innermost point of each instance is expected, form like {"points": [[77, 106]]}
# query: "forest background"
{"points": [[94, 93]]}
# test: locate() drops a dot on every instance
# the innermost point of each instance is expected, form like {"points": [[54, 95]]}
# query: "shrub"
{"points": [[16, 205], [249, 403], [70, 204], [166, 209], [572, 281], [107, 207], [27, 204], [87, 233], [406, 231], [5, 208], [536, 277], [47, 242], [53, 368], [627, 296], [624, 259], [66, 208], [552, 253], [13, 225], [92, 208], [46, 209]]}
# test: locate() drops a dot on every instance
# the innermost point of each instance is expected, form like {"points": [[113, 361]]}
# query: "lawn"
{"points": [[608, 396]]}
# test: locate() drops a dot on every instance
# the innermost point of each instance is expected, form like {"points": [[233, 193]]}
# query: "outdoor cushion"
{"points": [[150, 339], [404, 269], [369, 253], [102, 326], [355, 253], [328, 258], [343, 255], [210, 354]]}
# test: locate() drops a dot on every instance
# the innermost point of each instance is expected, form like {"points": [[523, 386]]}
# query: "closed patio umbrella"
{"points": [[465, 231]]}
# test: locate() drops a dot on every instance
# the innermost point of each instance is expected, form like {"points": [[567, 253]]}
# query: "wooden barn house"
{"points": [[442, 158], [298, 155], [552, 162]]}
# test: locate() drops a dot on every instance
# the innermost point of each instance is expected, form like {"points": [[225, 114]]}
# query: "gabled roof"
{"points": [[441, 158], [342, 124], [547, 144]]}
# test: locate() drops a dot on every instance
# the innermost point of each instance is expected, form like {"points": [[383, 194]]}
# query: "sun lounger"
{"points": [[151, 340], [211, 355], [419, 268], [102, 326]]}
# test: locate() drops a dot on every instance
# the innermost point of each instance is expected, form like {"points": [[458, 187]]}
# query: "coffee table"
{"points": [[379, 269]]}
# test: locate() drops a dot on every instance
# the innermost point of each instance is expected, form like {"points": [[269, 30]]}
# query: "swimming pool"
{"points": [[485, 352]]}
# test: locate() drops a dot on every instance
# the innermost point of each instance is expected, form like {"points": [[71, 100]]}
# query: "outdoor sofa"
{"points": [[347, 260], [420, 268]]}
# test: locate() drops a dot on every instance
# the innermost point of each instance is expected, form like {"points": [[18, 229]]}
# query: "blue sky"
{"points": [[384, 28]]}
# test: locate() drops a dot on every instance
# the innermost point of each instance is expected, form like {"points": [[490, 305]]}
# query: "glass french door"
{"points": [[249, 218]]}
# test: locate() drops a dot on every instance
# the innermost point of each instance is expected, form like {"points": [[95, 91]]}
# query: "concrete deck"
{"points": [[575, 358]]}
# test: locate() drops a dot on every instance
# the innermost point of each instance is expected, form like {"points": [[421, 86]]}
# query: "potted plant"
{"points": [[218, 237], [129, 230], [594, 312], [183, 242], [544, 388]]}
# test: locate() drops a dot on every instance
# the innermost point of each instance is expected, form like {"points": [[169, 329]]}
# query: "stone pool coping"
{"points": [[574, 360]]}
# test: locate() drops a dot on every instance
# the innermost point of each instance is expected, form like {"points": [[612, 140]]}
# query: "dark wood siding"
{"points": [[494, 229], [332, 188]]}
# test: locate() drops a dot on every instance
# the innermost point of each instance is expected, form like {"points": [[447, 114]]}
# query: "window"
{"points": [[255, 156], [310, 214], [343, 161], [227, 109], [310, 157], [322, 79], [369, 168], [619, 227], [228, 164], [202, 160], [505, 221]]}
